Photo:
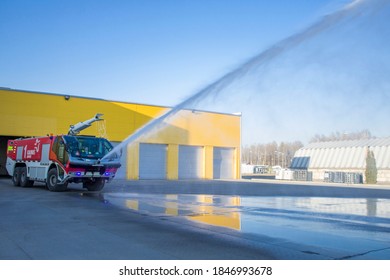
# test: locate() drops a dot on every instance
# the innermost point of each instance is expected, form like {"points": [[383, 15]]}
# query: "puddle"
{"points": [[240, 212], [336, 224], [211, 209]]}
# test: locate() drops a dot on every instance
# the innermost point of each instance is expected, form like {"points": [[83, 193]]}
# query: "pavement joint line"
{"points": [[363, 254]]}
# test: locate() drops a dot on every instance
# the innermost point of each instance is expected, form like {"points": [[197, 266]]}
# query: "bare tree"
{"points": [[338, 136], [270, 154]]}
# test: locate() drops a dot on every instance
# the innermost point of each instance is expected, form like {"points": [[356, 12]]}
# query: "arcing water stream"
{"points": [[350, 11]]}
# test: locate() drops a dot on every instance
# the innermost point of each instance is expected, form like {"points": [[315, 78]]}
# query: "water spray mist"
{"points": [[347, 12]]}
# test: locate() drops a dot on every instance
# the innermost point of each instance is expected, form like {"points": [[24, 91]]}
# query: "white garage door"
{"points": [[152, 161], [190, 162], [223, 163]]}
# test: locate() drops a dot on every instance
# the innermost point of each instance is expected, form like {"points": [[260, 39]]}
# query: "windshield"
{"points": [[87, 147]]}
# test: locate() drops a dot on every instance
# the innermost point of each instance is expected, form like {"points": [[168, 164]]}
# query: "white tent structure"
{"points": [[349, 156]]}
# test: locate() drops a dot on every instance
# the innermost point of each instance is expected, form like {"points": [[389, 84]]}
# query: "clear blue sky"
{"points": [[160, 52], [145, 51]]}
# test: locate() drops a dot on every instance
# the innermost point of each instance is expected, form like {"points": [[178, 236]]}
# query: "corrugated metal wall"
{"points": [[345, 155]]}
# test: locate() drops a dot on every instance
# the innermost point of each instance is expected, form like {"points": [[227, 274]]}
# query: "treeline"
{"points": [[270, 154], [338, 136], [274, 153]]}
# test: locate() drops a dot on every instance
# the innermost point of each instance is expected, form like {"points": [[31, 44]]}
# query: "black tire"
{"points": [[24, 181], [52, 182], [94, 186], [16, 177]]}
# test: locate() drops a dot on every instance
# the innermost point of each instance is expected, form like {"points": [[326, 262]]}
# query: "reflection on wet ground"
{"points": [[357, 225], [215, 210]]}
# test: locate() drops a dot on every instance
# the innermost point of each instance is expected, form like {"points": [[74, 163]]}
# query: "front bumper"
{"points": [[77, 176]]}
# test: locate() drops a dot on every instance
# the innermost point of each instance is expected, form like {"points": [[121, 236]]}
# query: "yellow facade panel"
{"points": [[36, 114], [132, 162], [208, 162], [200, 128], [173, 162]]}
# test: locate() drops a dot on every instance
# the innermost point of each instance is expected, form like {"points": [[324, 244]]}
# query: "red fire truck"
{"points": [[59, 160]]}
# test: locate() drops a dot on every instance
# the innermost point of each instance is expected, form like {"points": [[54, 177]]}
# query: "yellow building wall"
{"points": [[38, 114], [132, 170], [173, 162], [26, 113], [196, 129], [208, 162], [202, 129]]}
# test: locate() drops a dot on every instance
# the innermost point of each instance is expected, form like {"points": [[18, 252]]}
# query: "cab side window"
{"points": [[59, 150]]}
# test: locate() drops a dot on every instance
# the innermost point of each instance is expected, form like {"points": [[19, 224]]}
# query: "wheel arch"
{"points": [[20, 164], [53, 165]]}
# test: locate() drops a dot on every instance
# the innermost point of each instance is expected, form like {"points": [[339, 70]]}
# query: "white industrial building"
{"points": [[346, 157]]}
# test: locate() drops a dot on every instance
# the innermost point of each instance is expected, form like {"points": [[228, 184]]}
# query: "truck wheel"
{"points": [[24, 181], [94, 186], [16, 177], [52, 182]]}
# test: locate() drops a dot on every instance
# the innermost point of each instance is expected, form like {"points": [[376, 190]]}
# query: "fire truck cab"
{"points": [[59, 160]]}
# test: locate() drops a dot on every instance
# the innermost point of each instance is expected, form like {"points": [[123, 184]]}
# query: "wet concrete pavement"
{"points": [[196, 220], [330, 228]]}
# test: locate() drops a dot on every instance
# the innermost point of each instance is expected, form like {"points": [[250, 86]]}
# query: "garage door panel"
{"points": [[190, 162], [152, 161], [223, 163]]}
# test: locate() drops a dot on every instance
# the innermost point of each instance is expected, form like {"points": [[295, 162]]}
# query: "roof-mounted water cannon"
{"points": [[75, 129]]}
